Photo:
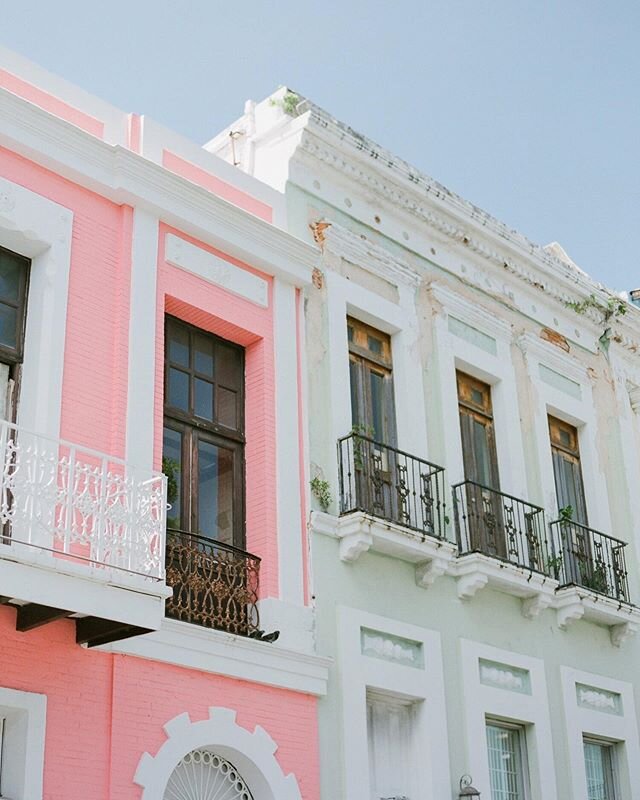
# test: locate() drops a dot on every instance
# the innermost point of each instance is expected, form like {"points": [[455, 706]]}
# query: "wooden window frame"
{"points": [[371, 362], [194, 428], [15, 355]]}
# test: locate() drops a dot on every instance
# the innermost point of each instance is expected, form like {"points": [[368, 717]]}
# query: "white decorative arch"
{"points": [[253, 755]]}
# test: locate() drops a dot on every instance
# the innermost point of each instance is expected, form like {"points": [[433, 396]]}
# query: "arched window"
{"points": [[202, 775]]}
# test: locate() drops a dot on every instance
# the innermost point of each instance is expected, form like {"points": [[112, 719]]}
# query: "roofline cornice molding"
{"points": [[360, 160], [362, 252], [126, 177]]}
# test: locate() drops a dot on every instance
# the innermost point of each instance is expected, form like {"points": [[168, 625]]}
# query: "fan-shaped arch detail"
{"points": [[202, 775]]}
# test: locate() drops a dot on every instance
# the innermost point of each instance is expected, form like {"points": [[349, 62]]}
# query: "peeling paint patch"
{"points": [[318, 229], [555, 338]]}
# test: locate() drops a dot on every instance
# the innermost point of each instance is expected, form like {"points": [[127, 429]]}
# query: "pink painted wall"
{"points": [[104, 711], [50, 103], [185, 295], [94, 398], [216, 185]]}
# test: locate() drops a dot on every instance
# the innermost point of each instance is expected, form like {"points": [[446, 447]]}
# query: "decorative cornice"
{"points": [[471, 313], [360, 160], [360, 251], [126, 177]]}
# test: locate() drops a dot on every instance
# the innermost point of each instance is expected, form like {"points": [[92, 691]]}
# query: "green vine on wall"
{"points": [[612, 308], [322, 492]]}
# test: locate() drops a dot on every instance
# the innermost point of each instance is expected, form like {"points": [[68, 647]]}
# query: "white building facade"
{"points": [[473, 424]]}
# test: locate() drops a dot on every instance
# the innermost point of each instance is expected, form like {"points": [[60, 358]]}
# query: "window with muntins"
{"points": [[371, 377], [508, 773], [567, 470], [204, 435], [14, 283], [599, 762]]}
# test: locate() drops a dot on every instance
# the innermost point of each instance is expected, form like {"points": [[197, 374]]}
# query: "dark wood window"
{"points": [[476, 427], [203, 450], [14, 283], [370, 370], [567, 471], [480, 460]]}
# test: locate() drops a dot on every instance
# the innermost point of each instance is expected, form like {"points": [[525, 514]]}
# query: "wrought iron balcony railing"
{"points": [[586, 557], [214, 585], [80, 505], [501, 526], [391, 485]]}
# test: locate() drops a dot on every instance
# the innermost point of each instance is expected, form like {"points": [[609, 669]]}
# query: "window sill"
{"points": [[360, 533]]}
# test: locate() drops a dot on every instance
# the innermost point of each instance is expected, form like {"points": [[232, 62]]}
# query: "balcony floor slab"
{"points": [[474, 571], [359, 533], [573, 603], [41, 578]]}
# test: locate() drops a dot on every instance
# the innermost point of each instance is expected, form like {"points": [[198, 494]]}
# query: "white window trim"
{"points": [[27, 756], [530, 710], [40, 229], [622, 728], [423, 685], [497, 370], [344, 298]]}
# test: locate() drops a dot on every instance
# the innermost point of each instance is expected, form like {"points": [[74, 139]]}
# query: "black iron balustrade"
{"points": [[501, 526], [586, 557], [214, 585], [391, 485]]}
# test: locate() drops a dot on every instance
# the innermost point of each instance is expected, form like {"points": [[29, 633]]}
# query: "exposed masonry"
{"points": [[406, 187]]}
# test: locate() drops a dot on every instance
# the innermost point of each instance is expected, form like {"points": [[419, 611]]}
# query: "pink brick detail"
{"points": [[186, 295], [94, 397], [217, 186], [50, 103], [104, 711]]}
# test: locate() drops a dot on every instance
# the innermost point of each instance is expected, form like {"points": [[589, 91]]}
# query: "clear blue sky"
{"points": [[531, 110]]}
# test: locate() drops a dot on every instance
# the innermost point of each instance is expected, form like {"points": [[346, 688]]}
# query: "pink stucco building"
{"points": [[150, 323]]}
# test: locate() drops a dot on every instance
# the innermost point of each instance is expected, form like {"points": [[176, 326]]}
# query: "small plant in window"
{"points": [[171, 469], [565, 514], [554, 565], [321, 490], [359, 431], [594, 577]]}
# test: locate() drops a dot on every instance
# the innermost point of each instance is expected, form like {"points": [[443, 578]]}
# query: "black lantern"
{"points": [[466, 789]]}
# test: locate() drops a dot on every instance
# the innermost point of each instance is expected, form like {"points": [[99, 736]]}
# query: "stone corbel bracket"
{"points": [[474, 571]]}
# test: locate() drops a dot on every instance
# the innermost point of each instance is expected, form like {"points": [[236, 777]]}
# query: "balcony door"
{"points": [[567, 472], [373, 419], [480, 460], [203, 451]]}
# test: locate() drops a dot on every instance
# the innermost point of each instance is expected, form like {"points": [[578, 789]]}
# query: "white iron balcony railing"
{"points": [[78, 504]]}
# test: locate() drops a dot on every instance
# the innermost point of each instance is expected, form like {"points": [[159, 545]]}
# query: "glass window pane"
{"points": [[178, 344], [215, 492], [203, 402], [599, 771], [377, 406], [172, 468], [178, 389], [481, 448], [203, 346], [10, 277], [505, 762], [8, 325], [229, 366], [227, 408]]}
